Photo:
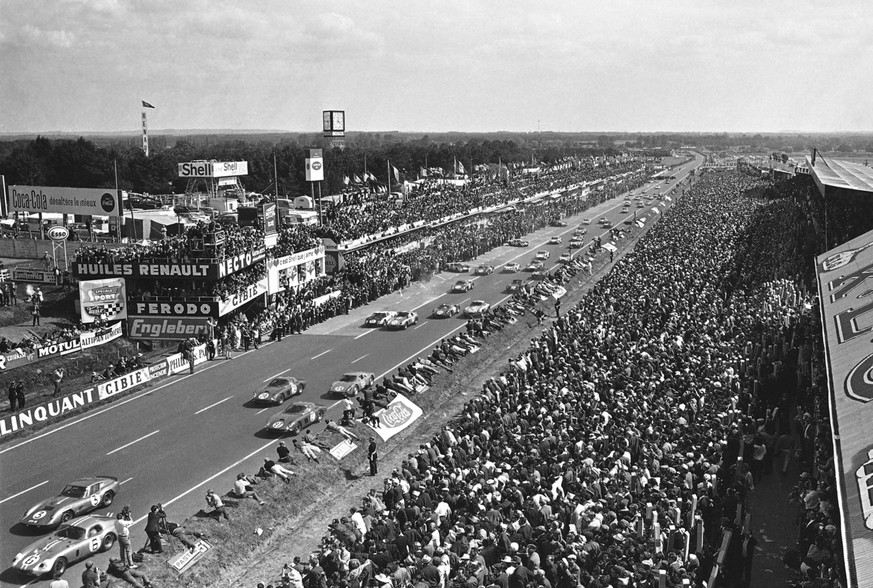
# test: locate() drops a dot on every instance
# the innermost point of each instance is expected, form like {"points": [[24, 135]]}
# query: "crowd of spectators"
{"points": [[608, 453]]}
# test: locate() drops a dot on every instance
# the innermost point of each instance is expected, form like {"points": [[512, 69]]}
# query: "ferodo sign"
{"points": [[401, 413], [95, 201], [173, 308]]}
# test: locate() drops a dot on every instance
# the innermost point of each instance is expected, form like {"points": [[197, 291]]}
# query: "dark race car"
{"points": [[278, 390], [77, 498], [445, 311]]}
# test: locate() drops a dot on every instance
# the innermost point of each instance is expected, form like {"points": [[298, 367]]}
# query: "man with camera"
{"points": [[123, 521]]}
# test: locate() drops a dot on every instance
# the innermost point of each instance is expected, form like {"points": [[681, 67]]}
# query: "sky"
{"points": [[474, 66]]}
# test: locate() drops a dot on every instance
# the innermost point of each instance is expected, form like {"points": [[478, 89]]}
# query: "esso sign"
{"points": [[316, 165], [58, 233]]}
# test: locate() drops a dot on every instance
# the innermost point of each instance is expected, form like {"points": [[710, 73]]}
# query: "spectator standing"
{"points": [[34, 312], [19, 394], [122, 531], [57, 378], [13, 396], [373, 456], [153, 528]]}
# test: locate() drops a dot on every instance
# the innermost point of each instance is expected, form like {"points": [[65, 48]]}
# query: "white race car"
{"points": [[477, 308]]}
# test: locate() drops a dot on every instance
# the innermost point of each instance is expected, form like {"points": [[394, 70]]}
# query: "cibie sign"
{"points": [[58, 233]]}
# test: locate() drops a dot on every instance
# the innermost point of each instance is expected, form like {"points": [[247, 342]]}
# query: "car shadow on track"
{"points": [[25, 531]]}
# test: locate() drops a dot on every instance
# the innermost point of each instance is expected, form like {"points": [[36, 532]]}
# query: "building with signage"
{"points": [[219, 181]]}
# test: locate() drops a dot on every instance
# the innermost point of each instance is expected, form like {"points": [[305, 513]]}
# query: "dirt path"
{"points": [[301, 534]]}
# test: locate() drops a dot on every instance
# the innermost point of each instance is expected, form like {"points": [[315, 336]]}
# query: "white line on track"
{"points": [[464, 300], [134, 441], [420, 325], [263, 409], [320, 354], [115, 405], [276, 375], [126, 481], [365, 333], [24, 491], [360, 358], [205, 408]]}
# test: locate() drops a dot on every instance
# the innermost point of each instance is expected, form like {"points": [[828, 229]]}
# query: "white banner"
{"points": [[122, 383], [314, 169], [95, 201], [247, 294], [104, 299], [401, 413], [95, 338], [342, 449]]}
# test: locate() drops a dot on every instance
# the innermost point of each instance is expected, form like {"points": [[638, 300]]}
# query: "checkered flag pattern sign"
{"points": [[102, 299]]}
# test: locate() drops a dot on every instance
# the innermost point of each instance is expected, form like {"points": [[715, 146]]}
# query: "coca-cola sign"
{"points": [[400, 414]]}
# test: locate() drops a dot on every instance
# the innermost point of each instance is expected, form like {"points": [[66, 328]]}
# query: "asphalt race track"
{"points": [[171, 443]]}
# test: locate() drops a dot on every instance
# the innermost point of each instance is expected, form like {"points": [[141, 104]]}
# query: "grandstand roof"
{"points": [[838, 173], [845, 276]]}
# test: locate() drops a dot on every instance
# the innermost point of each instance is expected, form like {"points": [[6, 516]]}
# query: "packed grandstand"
{"points": [[622, 447]]}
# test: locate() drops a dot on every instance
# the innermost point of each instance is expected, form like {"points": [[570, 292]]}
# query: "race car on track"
{"points": [[511, 267], [379, 318], [402, 320], [77, 540], [463, 286], [457, 266], [543, 254], [540, 274], [555, 241], [446, 311], [477, 308], [77, 498], [352, 383], [580, 232], [535, 265], [518, 243], [278, 390], [484, 270], [558, 223], [576, 243], [515, 286], [565, 258], [295, 417], [585, 221]]}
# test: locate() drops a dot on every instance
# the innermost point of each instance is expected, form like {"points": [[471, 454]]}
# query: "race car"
{"points": [[580, 232], [352, 383], [585, 221], [576, 243], [541, 274], [555, 241], [278, 390], [543, 254], [534, 265], [558, 223], [518, 243], [446, 311], [511, 267], [477, 308], [402, 320], [379, 318], [515, 286], [463, 286], [77, 540], [77, 498], [484, 270], [624, 210], [457, 266], [295, 417], [565, 258]]}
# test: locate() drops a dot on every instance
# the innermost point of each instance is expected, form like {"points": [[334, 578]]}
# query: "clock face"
{"points": [[339, 122], [326, 120]]}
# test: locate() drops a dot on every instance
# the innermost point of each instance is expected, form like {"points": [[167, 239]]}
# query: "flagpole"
{"points": [[389, 177]]}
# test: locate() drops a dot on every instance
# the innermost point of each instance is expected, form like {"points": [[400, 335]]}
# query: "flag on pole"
{"points": [[146, 104], [346, 180], [422, 172], [357, 180], [461, 169], [396, 174]]}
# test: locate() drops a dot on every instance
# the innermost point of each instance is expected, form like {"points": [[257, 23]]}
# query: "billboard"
{"points": [[334, 123], [105, 299], [247, 294], [314, 166], [29, 274], [401, 413], [213, 169], [158, 328], [86, 201], [174, 308]]}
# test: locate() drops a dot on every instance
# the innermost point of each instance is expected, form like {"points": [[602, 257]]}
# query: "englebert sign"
{"points": [[54, 199]]}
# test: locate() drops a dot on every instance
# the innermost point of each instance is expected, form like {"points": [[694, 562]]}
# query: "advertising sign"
{"points": [[104, 299], [173, 308], [225, 305], [270, 219], [213, 169], [33, 275], [159, 328], [334, 123], [189, 557], [314, 166], [58, 233], [231, 265], [198, 271], [45, 411], [401, 413], [122, 383], [96, 201]]}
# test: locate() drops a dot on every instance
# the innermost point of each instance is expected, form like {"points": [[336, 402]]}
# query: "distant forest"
{"points": [[90, 162]]}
